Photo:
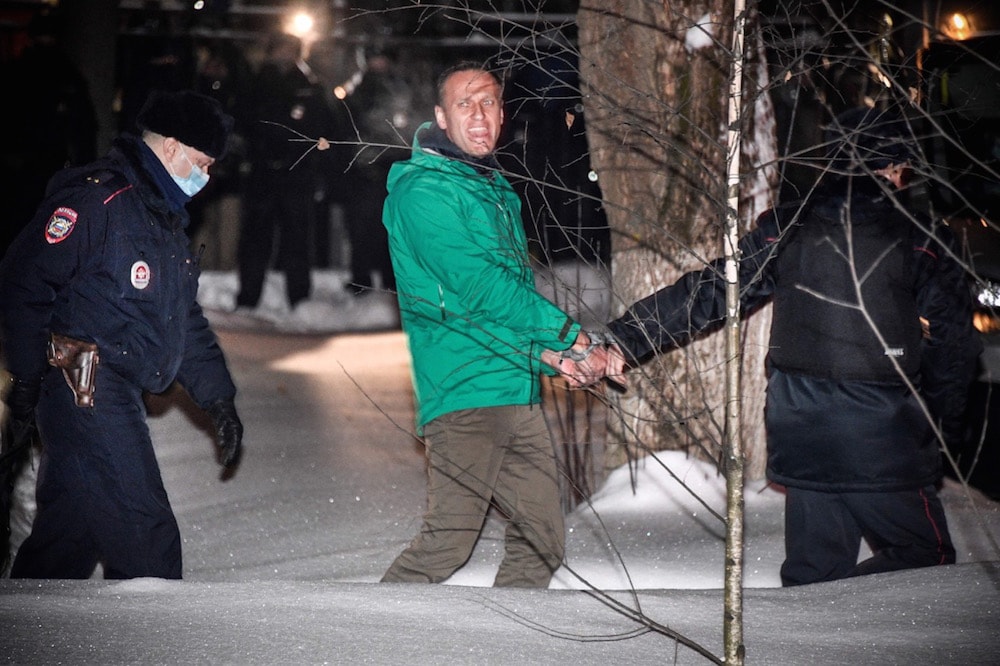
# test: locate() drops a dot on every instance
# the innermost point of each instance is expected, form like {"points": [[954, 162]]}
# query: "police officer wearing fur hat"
{"points": [[98, 305], [871, 355]]}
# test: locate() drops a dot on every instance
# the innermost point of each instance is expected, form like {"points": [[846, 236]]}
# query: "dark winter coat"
{"points": [[106, 260], [840, 414]]}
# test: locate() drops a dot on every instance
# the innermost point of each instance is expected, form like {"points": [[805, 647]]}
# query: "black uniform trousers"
{"points": [[823, 532], [100, 495], [278, 203]]}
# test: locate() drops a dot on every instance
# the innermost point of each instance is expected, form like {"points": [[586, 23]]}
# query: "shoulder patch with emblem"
{"points": [[60, 225]]}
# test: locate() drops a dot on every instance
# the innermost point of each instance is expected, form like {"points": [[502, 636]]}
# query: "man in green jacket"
{"points": [[479, 334]]}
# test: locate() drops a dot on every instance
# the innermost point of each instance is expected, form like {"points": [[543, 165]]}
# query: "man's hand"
{"points": [[228, 432], [587, 362], [579, 374], [582, 364], [614, 368]]}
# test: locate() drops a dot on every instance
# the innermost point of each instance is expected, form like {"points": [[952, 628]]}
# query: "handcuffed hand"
{"points": [[614, 368], [589, 360], [586, 371], [228, 432]]}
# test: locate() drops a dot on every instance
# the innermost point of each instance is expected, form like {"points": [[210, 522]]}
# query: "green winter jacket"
{"points": [[475, 324]]}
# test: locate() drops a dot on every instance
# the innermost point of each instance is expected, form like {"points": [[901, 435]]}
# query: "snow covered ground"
{"points": [[282, 560]]}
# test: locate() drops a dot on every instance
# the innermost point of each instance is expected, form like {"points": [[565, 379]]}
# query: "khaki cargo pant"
{"points": [[475, 456]]}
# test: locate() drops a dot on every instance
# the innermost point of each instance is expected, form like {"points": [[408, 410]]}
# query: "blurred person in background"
{"points": [[49, 123], [222, 73], [286, 103]]}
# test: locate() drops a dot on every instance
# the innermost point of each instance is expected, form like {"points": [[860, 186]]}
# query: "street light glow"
{"points": [[958, 27], [300, 24]]}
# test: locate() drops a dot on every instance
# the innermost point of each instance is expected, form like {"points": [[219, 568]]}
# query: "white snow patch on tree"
{"points": [[699, 35]]}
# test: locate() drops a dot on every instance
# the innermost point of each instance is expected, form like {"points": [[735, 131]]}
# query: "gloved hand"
{"points": [[228, 431], [19, 426], [18, 434]]}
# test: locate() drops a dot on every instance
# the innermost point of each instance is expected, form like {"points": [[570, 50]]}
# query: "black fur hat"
{"points": [[864, 140], [193, 119]]}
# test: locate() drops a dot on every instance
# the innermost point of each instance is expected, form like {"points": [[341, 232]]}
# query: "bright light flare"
{"points": [[986, 323], [988, 294], [300, 24], [958, 26]]}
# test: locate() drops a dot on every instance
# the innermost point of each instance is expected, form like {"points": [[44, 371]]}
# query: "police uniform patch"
{"points": [[60, 225], [140, 275]]}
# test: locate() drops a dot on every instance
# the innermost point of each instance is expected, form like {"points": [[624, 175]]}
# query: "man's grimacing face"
{"points": [[471, 111]]}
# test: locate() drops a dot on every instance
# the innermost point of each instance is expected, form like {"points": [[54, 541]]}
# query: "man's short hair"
{"points": [[464, 66]]}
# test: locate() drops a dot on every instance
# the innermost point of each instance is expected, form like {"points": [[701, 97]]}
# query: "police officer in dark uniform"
{"points": [[97, 299], [872, 319], [286, 105]]}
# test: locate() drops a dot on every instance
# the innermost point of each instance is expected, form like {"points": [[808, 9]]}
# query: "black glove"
{"points": [[228, 431], [19, 426], [19, 432]]}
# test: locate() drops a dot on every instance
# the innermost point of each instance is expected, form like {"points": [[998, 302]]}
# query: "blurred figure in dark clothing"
{"points": [[286, 102], [379, 112], [870, 357], [50, 124], [223, 74], [550, 160], [160, 56]]}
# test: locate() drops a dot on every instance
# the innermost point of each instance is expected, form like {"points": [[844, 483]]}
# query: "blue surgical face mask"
{"points": [[196, 180]]}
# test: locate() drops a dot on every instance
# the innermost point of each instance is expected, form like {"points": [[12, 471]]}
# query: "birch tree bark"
{"points": [[655, 77]]}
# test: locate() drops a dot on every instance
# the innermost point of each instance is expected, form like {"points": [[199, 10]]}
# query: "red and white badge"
{"points": [[140, 275], [60, 225]]}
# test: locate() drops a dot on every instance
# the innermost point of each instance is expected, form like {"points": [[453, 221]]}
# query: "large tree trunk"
{"points": [[656, 108]]}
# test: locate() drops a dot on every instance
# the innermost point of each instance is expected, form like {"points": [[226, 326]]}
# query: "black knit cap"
{"points": [[193, 119]]}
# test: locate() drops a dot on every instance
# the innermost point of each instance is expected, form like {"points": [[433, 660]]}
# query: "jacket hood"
{"points": [[427, 156], [430, 137]]}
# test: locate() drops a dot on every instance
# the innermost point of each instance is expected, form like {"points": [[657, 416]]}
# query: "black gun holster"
{"points": [[78, 361]]}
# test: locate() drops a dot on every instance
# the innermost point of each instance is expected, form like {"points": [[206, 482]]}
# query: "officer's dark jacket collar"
{"points": [[152, 182]]}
